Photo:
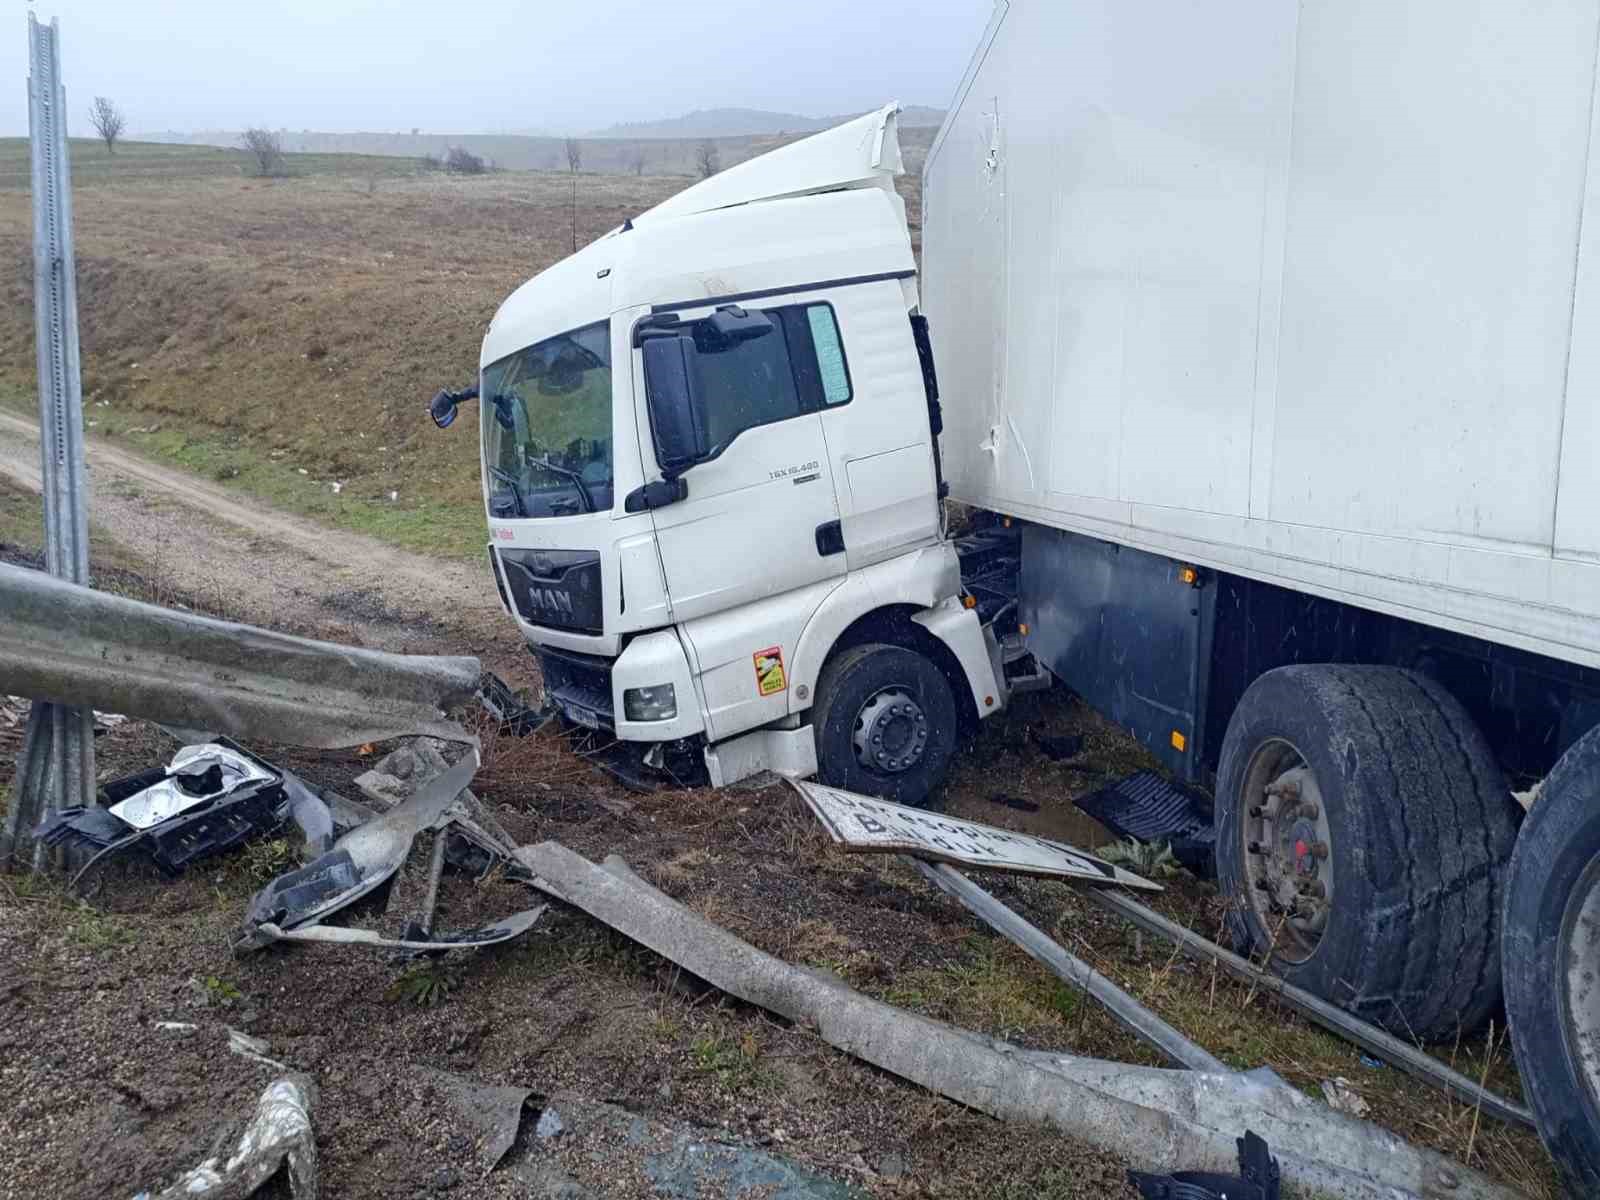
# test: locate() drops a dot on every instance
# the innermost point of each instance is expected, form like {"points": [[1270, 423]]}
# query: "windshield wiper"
{"points": [[516, 488], [577, 480]]}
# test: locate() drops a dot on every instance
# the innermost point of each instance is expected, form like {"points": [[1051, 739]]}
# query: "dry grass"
{"points": [[270, 327]]}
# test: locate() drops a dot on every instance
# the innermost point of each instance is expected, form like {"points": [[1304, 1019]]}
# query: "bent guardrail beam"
{"points": [[1156, 1120], [74, 646]]}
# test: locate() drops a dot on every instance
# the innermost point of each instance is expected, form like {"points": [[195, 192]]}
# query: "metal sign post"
{"points": [[57, 765]]}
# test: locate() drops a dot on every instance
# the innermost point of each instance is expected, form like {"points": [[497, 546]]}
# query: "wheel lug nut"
{"points": [[1314, 889], [1319, 849], [1288, 788], [1309, 811]]}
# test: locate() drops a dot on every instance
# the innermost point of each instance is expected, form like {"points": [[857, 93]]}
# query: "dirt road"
{"points": [[255, 564]]}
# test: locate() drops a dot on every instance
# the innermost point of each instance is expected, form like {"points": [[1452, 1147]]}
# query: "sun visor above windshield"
{"points": [[860, 153]]}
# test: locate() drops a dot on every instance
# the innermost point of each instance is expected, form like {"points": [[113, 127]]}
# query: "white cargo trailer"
{"points": [[1266, 335], [1276, 330]]}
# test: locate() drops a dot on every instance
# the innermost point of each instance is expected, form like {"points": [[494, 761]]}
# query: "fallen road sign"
{"points": [[868, 825]]}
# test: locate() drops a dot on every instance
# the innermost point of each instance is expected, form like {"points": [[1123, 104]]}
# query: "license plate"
{"points": [[582, 716]]}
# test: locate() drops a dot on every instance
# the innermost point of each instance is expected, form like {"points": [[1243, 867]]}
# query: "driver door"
{"points": [[760, 519]]}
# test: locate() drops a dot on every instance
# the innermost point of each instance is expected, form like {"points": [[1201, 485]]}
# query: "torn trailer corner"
{"points": [[75, 646]]}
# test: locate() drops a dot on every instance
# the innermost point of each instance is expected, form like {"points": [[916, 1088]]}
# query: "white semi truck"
{"points": [[1269, 344]]}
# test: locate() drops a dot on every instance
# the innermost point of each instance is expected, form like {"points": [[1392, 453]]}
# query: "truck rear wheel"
{"points": [[1551, 955], [885, 723], [1363, 828]]}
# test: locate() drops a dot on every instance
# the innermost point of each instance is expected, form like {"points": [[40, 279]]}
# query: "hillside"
{"points": [[632, 155], [743, 122]]}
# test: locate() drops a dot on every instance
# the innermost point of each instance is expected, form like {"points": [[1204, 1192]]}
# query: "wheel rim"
{"points": [[1287, 849], [1579, 986], [891, 732]]}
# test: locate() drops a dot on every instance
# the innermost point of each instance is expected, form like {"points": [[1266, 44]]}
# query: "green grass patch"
{"points": [[236, 464]]}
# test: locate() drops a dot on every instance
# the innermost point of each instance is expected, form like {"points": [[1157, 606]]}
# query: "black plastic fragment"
{"points": [[1149, 808], [1258, 1178]]}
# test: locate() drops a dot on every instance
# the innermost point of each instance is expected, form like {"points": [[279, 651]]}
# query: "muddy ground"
{"points": [[101, 1102]]}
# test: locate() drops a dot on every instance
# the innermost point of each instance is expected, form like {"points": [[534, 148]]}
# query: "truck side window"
{"points": [[746, 385], [834, 375]]}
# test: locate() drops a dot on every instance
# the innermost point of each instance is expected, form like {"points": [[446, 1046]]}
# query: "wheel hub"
{"points": [[1580, 995], [891, 732], [1288, 861]]}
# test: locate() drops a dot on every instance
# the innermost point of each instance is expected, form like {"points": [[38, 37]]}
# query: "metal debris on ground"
{"points": [[1150, 808], [869, 825], [211, 798], [1258, 1178], [278, 1137], [454, 828], [1128, 1012], [1415, 1061], [493, 1113], [1157, 1120]]}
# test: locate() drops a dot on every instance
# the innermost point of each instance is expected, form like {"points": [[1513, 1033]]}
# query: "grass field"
{"points": [[285, 335]]}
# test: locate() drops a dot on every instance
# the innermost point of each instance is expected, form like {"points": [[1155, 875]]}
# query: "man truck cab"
{"points": [[710, 471]]}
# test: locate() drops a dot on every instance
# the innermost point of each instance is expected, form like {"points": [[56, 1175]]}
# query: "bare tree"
{"points": [[706, 159], [574, 155], [461, 161], [636, 159], [265, 149], [108, 122]]}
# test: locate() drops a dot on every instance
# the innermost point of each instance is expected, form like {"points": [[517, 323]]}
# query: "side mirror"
{"points": [[675, 419], [729, 326], [442, 408]]}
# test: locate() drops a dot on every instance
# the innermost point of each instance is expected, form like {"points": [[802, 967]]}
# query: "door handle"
{"points": [[830, 538]]}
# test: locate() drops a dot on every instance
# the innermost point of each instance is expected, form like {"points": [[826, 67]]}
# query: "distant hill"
{"points": [[750, 122]]}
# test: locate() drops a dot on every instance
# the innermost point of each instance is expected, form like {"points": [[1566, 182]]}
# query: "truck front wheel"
{"points": [[885, 723], [1363, 828], [1551, 956]]}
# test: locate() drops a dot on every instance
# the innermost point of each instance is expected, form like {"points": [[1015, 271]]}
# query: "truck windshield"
{"points": [[547, 426]]}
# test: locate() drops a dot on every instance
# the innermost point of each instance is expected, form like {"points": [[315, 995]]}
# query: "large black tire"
{"points": [[1419, 824], [854, 683], [1555, 868]]}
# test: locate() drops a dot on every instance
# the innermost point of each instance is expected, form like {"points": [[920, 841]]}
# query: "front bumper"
{"points": [[589, 689]]}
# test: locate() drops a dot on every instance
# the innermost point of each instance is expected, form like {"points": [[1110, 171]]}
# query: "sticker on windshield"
{"points": [[770, 679]]}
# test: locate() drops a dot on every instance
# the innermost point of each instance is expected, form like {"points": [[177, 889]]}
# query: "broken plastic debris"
{"points": [[279, 1135], [359, 862], [198, 775], [488, 935], [1258, 1178], [213, 797]]}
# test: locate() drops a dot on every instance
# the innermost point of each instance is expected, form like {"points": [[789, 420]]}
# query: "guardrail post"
{"points": [[57, 767]]}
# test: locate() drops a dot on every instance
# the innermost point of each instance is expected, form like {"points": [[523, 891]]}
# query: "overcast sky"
{"points": [[473, 66]]}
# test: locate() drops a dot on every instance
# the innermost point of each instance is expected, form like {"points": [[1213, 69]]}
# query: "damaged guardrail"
{"points": [[1157, 1120], [73, 646]]}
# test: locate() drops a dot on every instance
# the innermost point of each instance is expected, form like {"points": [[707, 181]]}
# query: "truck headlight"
{"points": [[659, 703]]}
